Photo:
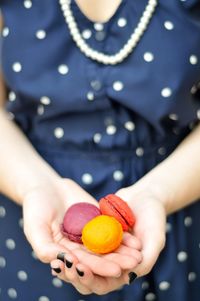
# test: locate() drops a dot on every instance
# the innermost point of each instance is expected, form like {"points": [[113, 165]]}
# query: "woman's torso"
{"points": [[60, 97]]}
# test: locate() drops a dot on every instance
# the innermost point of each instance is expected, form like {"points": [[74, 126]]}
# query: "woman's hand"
{"points": [[43, 211], [150, 226], [149, 229], [69, 269]]}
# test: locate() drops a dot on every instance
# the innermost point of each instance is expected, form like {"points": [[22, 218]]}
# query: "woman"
{"points": [[82, 124]]}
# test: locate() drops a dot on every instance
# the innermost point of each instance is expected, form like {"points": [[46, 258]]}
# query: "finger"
{"points": [[98, 264], [58, 269], [78, 286], [86, 277], [153, 245], [131, 241], [72, 274], [123, 250], [82, 289], [100, 285], [64, 260], [126, 257], [103, 285], [126, 262], [58, 265]]}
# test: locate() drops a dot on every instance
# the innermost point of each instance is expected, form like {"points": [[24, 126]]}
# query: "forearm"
{"points": [[21, 167], [176, 180]]}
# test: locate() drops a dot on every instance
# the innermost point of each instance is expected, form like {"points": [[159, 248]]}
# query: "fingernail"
{"points": [[57, 270], [61, 256], [68, 264], [132, 276], [81, 273]]}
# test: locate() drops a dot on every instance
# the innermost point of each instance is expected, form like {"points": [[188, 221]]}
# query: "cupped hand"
{"points": [[150, 226], [69, 269], [149, 229], [43, 212]]}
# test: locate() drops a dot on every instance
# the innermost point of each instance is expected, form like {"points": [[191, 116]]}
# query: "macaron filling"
{"points": [[118, 212], [71, 236]]}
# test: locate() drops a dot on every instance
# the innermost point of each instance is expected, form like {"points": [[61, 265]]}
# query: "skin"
{"points": [[98, 11], [45, 196]]}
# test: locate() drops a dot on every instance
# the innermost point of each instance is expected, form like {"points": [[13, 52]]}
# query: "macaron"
{"points": [[103, 234], [75, 219], [113, 205]]}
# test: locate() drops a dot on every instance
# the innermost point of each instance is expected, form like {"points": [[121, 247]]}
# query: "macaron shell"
{"points": [[113, 205], [76, 217], [102, 235], [72, 237]]}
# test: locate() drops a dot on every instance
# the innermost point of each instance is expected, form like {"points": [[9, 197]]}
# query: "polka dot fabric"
{"points": [[102, 126]]}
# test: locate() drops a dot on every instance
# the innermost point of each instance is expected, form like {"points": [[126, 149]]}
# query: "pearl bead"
{"points": [[94, 54], [135, 39], [67, 13], [127, 48], [78, 37], [80, 43], [100, 56], [112, 60], [106, 60], [153, 2], [73, 30], [73, 25], [89, 52], [65, 7], [147, 13], [150, 8], [137, 32], [144, 19], [70, 19], [83, 47]]}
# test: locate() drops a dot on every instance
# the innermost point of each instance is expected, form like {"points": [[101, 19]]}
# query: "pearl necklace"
{"points": [[124, 51]]}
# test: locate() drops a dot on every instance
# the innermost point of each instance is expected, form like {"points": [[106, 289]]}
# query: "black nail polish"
{"points": [[132, 276], [68, 264], [61, 256], [57, 270], [81, 273]]}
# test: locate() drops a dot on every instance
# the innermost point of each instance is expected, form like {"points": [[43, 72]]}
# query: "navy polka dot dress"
{"points": [[102, 126]]}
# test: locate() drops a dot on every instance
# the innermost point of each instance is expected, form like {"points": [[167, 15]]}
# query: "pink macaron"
{"points": [[75, 219]]}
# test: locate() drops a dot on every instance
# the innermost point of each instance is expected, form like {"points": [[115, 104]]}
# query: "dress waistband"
{"points": [[163, 148]]}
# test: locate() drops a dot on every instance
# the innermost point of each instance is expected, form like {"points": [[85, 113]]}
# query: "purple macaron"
{"points": [[75, 219]]}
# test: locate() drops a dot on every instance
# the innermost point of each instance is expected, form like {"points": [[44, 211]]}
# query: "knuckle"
{"points": [[71, 278]]}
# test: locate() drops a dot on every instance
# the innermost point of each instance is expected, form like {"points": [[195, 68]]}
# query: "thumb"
{"points": [[152, 246]]}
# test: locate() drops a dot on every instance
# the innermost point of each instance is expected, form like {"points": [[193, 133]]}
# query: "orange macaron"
{"points": [[103, 234]]}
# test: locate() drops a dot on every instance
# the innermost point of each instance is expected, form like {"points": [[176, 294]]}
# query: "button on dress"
{"points": [[102, 126]]}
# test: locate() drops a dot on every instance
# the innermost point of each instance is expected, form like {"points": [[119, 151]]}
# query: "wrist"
{"points": [[35, 182], [155, 189]]}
